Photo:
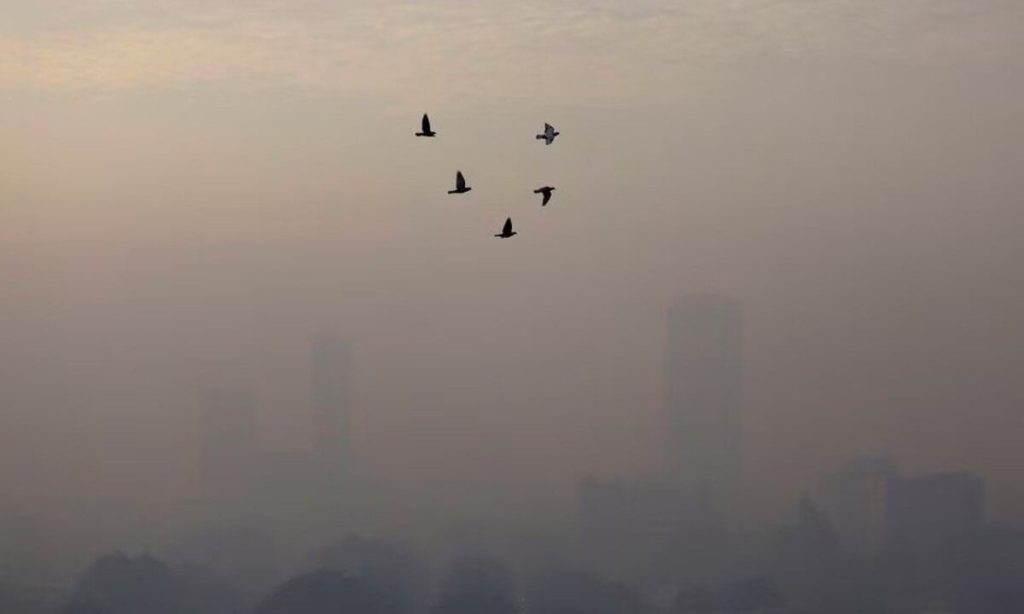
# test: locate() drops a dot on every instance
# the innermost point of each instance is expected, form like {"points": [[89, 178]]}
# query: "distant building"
{"points": [[854, 497], [806, 556], [703, 397], [674, 527], [330, 388], [292, 490], [812, 541]]}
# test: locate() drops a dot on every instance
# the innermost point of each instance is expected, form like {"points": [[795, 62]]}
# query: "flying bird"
{"points": [[546, 191], [460, 184], [426, 127], [549, 134], [507, 231]]}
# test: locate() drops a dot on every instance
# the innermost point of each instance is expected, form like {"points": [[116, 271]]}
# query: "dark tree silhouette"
{"points": [[246, 559], [581, 593], [118, 584], [386, 566], [326, 592], [477, 585]]}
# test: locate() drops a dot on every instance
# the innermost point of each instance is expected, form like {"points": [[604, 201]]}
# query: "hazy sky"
{"points": [[191, 190]]}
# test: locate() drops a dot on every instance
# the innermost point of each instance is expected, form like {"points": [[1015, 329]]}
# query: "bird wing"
{"points": [[460, 181], [547, 197], [426, 123], [549, 130], [508, 227]]}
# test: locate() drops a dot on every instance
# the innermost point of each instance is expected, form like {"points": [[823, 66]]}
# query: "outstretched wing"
{"points": [[508, 227], [426, 124], [547, 197], [548, 128], [460, 181]]}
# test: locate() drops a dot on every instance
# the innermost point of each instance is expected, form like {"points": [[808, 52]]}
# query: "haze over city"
{"points": [[785, 248]]}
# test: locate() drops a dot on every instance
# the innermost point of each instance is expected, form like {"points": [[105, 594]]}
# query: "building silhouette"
{"points": [[703, 398], [854, 497]]}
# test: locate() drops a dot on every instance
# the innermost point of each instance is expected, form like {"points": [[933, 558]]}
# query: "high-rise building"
{"points": [[703, 404], [330, 384], [854, 497]]}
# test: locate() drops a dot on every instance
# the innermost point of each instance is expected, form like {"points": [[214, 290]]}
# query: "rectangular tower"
{"points": [[704, 412]]}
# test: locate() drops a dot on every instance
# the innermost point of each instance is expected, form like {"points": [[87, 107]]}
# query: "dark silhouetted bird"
{"points": [[549, 134], [507, 231], [546, 191], [460, 184], [426, 127]]}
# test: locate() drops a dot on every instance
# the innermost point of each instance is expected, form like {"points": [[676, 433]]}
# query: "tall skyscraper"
{"points": [[854, 497], [703, 404], [329, 391]]}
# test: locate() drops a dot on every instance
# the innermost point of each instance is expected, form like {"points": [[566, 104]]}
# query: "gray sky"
{"points": [[191, 190]]}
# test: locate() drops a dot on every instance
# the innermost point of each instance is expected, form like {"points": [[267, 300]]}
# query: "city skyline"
{"points": [[238, 294]]}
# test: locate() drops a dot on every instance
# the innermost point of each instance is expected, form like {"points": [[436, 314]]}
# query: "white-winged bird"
{"points": [[460, 184], [546, 191], [549, 134], [426, 127], [507, 231]]}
